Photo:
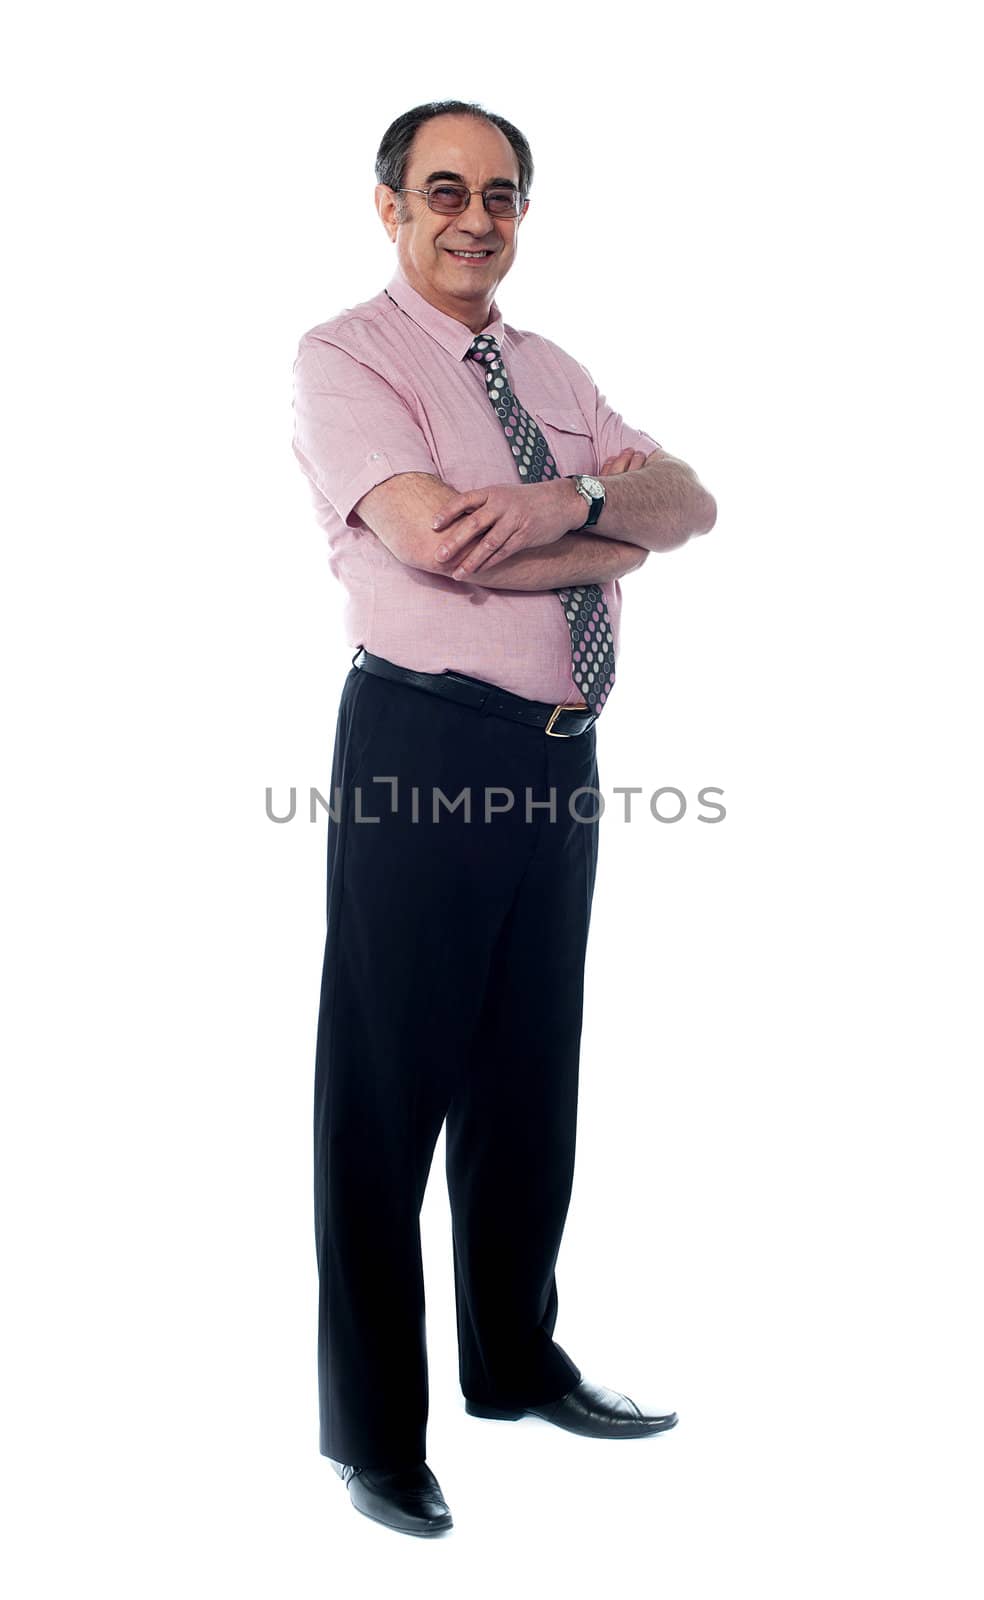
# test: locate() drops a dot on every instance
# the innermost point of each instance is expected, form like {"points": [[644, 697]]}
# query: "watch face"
{"points": [[594, 488]]}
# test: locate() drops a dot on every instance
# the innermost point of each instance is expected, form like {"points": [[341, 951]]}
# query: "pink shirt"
{"points": [[384, 388]]}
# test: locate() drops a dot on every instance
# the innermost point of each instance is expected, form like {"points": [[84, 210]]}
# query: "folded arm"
{"points": [[655, 502], [400, 513], [658, 507], [575, 558]]}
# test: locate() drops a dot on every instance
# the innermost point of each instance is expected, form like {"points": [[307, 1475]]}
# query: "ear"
{"points": [[387, 205]]}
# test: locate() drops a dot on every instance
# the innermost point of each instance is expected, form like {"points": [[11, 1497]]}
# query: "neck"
{"points": [[473, 314]]}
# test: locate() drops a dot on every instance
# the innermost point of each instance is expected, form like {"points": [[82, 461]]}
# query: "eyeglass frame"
{"points": [[521, 197]]}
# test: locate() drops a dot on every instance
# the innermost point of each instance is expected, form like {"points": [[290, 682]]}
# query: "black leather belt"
{"points": [[485, 697]]}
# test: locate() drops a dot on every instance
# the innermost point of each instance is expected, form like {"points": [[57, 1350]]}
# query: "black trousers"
{"points": [[451, 992]]}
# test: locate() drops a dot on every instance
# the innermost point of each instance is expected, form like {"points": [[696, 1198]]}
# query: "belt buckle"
{"points": [[553, 717]]}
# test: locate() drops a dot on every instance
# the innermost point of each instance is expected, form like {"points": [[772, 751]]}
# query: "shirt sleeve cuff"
{"points": [[375, 469]]}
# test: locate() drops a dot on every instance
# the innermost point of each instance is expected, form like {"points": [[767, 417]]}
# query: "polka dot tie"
{"points": [[592, 644]]}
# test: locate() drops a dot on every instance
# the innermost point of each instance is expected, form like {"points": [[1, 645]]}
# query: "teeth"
{"points": [[469, 255]]}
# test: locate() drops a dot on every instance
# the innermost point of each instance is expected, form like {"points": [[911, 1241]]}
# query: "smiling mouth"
{"points": [[470, 255]]}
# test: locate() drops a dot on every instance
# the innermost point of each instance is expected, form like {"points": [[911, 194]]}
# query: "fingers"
{"points": [[452, 543], [487, 553], [477, 526], [627, 460]]}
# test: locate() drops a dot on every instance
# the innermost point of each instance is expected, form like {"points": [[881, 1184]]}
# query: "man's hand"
{"points": [[628, 461], [504, 519], [499, 521]]}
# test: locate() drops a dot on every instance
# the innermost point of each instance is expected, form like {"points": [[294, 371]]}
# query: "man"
{"points": [[487, 630]]}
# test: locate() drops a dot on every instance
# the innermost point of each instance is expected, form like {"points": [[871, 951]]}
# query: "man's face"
{"points": [[477, 154]]}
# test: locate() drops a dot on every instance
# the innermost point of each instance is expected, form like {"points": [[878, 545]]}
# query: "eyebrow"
{"points": [[499, 183]]}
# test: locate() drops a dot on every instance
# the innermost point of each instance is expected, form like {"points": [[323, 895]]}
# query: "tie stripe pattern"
{"points": [[592, 641]]}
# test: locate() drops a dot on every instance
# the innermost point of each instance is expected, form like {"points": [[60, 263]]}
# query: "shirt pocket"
{"points": [[569, 438]]}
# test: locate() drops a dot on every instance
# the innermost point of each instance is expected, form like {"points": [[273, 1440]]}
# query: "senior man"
{"points": [[481, 501]]}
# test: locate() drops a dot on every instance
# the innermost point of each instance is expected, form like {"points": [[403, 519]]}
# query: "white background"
{"points": [[756, 226]]}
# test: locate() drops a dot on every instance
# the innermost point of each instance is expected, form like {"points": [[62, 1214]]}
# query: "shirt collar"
{"points": [[450, 334]]}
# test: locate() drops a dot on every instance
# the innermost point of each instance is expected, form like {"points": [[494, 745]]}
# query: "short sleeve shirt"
{"points": [[385, 387]]}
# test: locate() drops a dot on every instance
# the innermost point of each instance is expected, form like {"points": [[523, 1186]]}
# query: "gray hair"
{"points": [[391, 157]]}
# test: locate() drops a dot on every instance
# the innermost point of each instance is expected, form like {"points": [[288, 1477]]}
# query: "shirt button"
{"points": [[374, 456]]}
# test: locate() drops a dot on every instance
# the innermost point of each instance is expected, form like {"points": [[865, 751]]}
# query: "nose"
{"points": [[474, 219]]}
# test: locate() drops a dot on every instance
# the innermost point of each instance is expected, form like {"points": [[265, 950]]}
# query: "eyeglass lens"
{"points": [[451, 197]]}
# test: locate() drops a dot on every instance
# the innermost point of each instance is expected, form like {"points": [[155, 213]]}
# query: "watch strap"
{"points": [[594, 503]]}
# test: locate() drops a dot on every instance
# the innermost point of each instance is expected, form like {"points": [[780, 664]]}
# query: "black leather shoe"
{"points": [[408, 1499], [591, 1410]]}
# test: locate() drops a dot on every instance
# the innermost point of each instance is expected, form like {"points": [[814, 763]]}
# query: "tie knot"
{"points": [[484, 347]]}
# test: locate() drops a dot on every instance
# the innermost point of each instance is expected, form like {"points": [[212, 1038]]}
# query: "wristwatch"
{"points": [[593, 491]]}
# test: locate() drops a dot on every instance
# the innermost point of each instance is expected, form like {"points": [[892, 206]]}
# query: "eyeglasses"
{"points": [[448, 199]]}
